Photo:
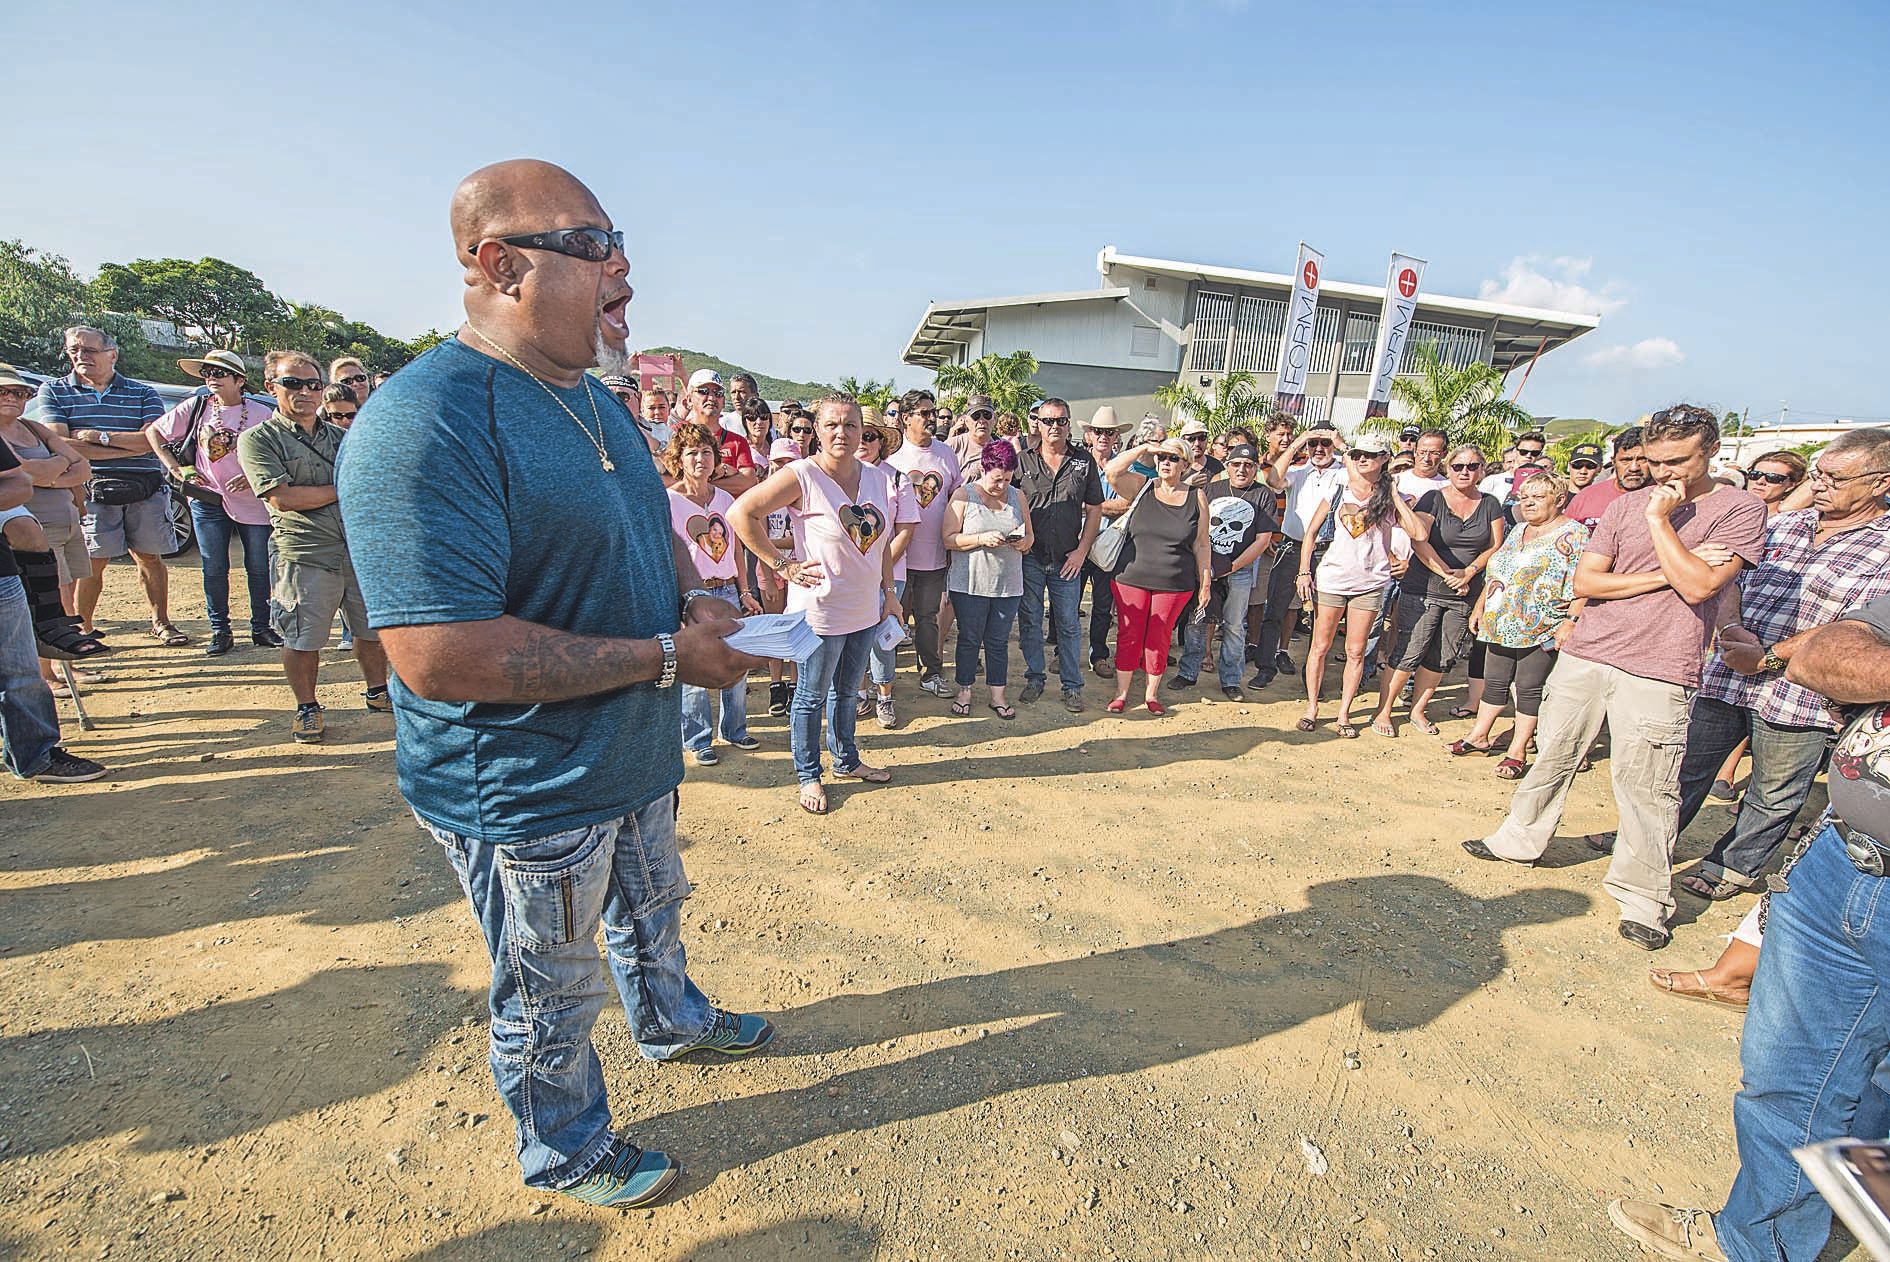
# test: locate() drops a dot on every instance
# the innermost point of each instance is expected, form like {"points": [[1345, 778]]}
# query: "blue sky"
{"points": [[798, 179]]}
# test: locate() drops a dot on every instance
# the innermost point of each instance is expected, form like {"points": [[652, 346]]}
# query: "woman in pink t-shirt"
{"points": [[698, 514], [221, 503], [841, 577]]}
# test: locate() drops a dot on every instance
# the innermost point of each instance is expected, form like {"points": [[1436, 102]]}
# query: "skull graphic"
{"points": [[1229, 518]]}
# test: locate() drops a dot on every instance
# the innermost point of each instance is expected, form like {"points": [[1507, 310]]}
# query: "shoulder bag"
{"points": [[1105, 552]]}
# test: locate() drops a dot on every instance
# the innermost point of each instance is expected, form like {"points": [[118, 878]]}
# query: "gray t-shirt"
{"points": [[989, 571], [1860, 766]]}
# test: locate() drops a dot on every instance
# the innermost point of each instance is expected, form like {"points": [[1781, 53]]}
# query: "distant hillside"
{"points": [[770, 387]]}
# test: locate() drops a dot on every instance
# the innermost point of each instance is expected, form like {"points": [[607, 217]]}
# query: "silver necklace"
{"points": [[597, 439]]}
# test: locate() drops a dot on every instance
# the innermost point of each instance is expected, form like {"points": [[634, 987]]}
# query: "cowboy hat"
{"points": [[1104, 419], [227, 360]]}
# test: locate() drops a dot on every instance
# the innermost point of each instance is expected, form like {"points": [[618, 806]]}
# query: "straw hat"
{"points": [[229, 360], [891, 438]]}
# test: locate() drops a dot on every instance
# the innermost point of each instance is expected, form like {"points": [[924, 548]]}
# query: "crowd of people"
{"points": [[544, 696]]}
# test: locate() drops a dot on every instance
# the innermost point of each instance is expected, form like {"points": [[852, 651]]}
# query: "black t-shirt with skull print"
{"points": [[1860, 765], [1235, 517]]}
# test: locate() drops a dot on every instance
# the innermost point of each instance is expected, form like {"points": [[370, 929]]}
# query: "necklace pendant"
{"points": [[610, 466]]}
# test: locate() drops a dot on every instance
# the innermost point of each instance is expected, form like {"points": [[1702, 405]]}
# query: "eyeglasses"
{"points": [[1366, 455], [1776, 479], [1472, 467], [354, 379], [593, 245], [343, 416], [293, 384], [215, 374], [1819, 475]]}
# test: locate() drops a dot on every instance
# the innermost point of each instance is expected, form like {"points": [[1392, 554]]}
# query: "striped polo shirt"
{"points": [[126, 406]]}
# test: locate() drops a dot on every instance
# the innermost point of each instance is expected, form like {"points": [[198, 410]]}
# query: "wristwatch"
{"points": [[691, 594], [668, 677], [1771, 661]]}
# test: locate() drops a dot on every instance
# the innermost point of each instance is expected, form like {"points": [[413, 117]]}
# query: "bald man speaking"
{"points": [[511, 537]]}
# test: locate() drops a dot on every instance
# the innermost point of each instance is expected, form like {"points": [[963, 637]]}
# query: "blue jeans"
{"points": [[539, 903], [214, 527], [29, 724], [984, 624], [1785, 762], [885, 660], [1066, 623], [840, 658], [1817, 1031], [699, 704], [1233, 653]]}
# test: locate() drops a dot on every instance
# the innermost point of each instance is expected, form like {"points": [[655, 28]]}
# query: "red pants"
{"points": [[1145, 627]]}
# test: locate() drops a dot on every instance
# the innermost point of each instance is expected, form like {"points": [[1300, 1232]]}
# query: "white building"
{"points": [[1152, 320]]}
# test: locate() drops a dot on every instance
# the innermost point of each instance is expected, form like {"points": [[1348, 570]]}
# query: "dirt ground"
{"points": [[1071, 987]]}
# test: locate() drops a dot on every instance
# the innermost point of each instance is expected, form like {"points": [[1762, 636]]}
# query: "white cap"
{"points": [[704, 377]]}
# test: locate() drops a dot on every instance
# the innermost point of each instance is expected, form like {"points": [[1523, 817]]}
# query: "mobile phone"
{"points": [[1854, 1177], [1014, 536]]}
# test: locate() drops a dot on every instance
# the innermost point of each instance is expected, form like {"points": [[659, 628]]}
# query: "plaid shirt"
{"points": [[1800, 585]]}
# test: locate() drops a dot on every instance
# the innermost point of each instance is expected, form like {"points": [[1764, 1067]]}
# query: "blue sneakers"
{"points": [[629, 1178], [732, 1034]]}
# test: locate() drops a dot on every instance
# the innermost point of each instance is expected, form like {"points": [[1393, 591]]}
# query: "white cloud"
{"points": [[1649, 352], [1560, 284]]}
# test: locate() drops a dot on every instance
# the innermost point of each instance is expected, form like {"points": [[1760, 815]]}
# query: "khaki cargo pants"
{"points": [[1648, 722]]}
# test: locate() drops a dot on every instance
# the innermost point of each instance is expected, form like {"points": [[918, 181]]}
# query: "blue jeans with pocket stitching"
{"points": [[539, 904]]}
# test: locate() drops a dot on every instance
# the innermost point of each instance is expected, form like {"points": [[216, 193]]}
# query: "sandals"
{"points": [[64, 642], [1426, 726], [1670, 981], [1004, 712], [1346, 731], [814, 802], [1462, 712], [1117, 706], [863, 773], [1701, 886], [1387, 729], [1307, 725], [1464, 748], [1511, 769], [1155, 707], [168, 635], [961, 707]]}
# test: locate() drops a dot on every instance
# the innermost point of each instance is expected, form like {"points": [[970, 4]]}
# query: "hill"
{"points": [[770, 387]]}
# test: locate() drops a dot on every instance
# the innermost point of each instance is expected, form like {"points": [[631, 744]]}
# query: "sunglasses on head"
{"points": [[593, 245], [299, 383], [1468, 467]]}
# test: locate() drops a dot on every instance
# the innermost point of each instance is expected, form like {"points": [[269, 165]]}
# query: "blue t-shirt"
{"points": [[468, 494]]}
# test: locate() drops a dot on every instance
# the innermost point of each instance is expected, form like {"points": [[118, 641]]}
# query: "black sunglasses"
{"points": [[1527, 454], [1053, 420], [216, 374], [800, 429], [1776, 479], [299, 383], [870, 436], [1356, 454], [343, 416], [354, 380], [593, 245], [1461, 468], [1165, 455], [976, 415]]}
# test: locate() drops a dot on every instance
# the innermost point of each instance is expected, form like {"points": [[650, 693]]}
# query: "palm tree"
{"points": [[1465, 403], [1561, 448], [870, 393], [1005, 378], [1237, 400]]}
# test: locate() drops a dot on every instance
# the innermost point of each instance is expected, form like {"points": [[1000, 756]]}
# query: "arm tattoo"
{"points": [[557, 666]]}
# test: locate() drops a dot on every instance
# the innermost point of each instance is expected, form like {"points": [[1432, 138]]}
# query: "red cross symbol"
{"points": [[1407, 282], [1312, 274]]}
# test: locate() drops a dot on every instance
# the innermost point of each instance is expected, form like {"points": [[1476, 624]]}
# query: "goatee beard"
{"points": [[608, 360]]}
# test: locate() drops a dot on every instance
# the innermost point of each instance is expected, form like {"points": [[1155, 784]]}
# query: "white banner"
{"points": [[1394, 328], [1302, 310]]}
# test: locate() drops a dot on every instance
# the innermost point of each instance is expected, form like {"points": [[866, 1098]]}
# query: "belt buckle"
{"points": [[1864, 856]]}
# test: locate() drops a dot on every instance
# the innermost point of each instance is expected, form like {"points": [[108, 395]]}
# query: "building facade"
{"points": [[1152, 321]]}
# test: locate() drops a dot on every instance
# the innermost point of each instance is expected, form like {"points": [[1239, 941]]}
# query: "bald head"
{"points": [[519, 195]]}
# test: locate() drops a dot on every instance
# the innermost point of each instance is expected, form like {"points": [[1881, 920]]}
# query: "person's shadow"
{"points": [[1404, 947]]}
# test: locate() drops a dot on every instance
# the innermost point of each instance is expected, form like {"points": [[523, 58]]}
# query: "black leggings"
{"points": [[1529, 668]]}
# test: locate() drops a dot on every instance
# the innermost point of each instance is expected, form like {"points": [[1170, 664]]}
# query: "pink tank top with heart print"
{"points": [[848, 536]]}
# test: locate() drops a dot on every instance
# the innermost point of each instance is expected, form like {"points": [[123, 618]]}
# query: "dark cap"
{"points": [[1409, 431], [1585, 451], [978, 403], [1242, 451]]}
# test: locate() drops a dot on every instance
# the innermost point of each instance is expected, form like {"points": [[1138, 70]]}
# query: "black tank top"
{"points": [[1158, 554]]}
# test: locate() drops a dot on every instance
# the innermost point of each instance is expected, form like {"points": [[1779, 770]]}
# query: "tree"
{"points": [[221, 303], [1733, 425], [40, 296], [1561, 448], [424, 343], [1237, 400], [870, 393], [1465, 403], [1005, 378]]}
